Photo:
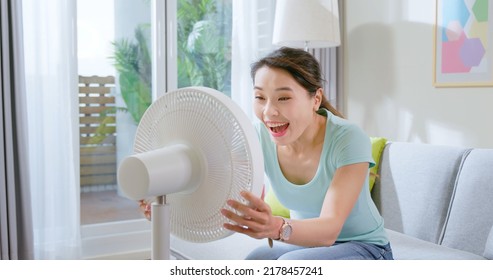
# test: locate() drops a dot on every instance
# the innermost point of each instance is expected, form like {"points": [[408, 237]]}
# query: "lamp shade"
{"points": [[307, 23]]}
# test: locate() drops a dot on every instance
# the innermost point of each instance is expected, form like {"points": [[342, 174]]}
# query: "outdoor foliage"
{"points": [[132, 60], [204, 43], [204, 53]]}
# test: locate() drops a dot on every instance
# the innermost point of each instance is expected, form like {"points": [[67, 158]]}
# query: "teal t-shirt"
{"points": [[344, 144]]}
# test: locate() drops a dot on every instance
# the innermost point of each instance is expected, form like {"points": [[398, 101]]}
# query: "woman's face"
{"points": [[283, 105]]}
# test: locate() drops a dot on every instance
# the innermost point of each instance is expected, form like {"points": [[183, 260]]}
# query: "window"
{"points": [[203, 32], [197, 42], [114, 91], [54, 102]]}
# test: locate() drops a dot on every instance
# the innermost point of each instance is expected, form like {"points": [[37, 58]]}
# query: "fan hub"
{"points": [[167, 170]]}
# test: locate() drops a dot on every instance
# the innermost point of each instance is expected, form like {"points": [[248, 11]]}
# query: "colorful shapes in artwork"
{"points": [[451, 59], [454, 30], [480, 10], [479, 30], [454, 10], [465, 36], [472, 52]]}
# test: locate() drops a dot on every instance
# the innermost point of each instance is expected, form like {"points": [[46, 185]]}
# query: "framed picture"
{"points": [[463, 43]]}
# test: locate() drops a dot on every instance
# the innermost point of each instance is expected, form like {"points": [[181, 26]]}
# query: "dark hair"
{"points": [[302, 66]]}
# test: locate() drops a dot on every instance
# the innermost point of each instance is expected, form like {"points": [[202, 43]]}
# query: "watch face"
{"points": [[286, 231]]}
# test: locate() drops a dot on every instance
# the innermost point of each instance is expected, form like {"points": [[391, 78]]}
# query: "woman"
{"points": [[318, 165]]}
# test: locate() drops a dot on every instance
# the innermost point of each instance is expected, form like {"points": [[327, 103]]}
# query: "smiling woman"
{"points": [[318, 166]]}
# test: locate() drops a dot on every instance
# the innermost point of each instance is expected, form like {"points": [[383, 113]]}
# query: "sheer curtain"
{"points": [[52, 91], [252, 38]]}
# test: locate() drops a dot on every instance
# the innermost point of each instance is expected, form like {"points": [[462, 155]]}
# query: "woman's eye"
{"points": [[284, 98], [259, 97]]}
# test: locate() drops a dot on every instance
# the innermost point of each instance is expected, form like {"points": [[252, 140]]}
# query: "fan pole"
{"points": [[160, 229]]}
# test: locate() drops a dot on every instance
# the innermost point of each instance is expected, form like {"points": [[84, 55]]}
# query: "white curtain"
{"points": [[52, 91], [252, 38]]}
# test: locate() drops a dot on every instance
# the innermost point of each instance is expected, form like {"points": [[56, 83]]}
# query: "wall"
{"points": [[388, 71]]}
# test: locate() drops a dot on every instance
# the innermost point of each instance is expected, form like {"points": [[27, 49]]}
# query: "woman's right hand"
{"points": [[145, 208], [145, 205]]}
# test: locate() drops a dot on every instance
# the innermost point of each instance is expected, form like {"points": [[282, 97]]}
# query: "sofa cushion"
{"points": [[470, 218], [377, 145], [415, 186], [405, 247], [275, 205], [488, 249]]}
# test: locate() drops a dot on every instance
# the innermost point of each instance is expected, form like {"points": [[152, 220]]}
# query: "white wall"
{"points": [[388, 71]]}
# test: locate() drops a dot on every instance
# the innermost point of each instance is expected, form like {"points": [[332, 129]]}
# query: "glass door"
{"points": [[115, 65], [133, 51]]}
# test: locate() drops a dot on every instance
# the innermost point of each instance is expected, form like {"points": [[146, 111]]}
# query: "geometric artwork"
{"points": [[463, 43]]}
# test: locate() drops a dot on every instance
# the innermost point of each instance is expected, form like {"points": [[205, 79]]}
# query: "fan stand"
{"points": [[173, 164], [160, 229]]}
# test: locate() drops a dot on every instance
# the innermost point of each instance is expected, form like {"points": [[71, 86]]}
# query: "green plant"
{"points": [[132, 61], [204, 50], [204, 53]]}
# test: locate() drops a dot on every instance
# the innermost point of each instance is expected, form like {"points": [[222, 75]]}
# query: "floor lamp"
{"points": [[307, 24]]}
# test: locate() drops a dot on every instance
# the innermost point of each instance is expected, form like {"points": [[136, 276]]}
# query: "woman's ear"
{"points": [[317, 98]]}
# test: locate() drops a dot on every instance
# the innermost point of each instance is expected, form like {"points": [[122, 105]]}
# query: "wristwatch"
{"points": [[285, 231]]}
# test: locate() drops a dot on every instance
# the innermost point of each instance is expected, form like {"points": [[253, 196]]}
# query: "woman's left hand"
{"points": [[253, 219], [145, 208]]}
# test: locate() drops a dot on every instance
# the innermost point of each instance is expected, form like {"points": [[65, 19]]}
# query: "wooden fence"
{"points": [[97, 115]]}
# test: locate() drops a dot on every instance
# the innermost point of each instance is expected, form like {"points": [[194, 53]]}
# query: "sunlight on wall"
{"points": [[442, 133]]}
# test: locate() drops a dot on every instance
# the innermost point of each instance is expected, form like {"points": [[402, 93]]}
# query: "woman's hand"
{"points": [[254, 219], [145, 208]]}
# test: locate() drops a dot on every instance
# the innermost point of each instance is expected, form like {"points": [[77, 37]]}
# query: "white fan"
{"points": [[194, 149]]}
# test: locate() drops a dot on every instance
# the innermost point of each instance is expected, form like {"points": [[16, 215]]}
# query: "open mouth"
{"points": [[278, 129]]}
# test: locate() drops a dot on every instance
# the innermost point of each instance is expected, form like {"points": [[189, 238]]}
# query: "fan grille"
{"points": [[203, 120]]}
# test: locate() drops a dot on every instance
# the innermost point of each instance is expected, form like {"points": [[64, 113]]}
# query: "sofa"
{"points": [[437, 202]]}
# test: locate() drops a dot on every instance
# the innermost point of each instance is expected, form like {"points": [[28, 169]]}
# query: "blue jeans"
{"points": [[352, 250]]}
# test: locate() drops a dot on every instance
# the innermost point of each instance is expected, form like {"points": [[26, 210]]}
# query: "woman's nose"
{"points": [[270, 109]]}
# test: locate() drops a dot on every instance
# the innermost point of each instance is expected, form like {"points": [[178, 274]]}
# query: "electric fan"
{"points": [[194, 149]]}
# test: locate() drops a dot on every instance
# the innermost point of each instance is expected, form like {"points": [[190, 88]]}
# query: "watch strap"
{"points": [[270, 240]]}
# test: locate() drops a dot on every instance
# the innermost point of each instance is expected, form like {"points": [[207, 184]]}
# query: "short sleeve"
{"points": [[352, 146]]}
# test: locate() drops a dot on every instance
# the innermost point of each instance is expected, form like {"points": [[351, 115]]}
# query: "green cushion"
{"points": [[277, 208], [377, 145]]}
